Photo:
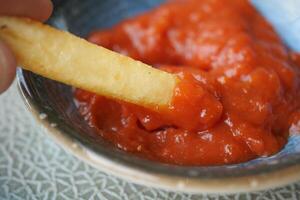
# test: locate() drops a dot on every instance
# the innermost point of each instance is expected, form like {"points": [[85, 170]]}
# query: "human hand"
{"points": [[35, 9]]}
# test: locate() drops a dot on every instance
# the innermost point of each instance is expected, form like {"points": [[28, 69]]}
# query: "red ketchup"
{"points": [[238, 98]]}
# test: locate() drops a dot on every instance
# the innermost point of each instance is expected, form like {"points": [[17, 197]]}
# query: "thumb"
{"points": [[7, 67]]}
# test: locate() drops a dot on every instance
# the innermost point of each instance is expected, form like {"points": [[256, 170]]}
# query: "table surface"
{"points": [[33, 167]]}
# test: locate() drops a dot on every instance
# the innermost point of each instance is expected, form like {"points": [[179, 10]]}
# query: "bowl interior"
{"points": [[56, 100]]}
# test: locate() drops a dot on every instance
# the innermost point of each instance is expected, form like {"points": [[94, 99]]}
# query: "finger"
{"points": [[7, 67], [35, 9]]}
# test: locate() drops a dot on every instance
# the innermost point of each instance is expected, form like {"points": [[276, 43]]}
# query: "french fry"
{"points": [[63, 57]]}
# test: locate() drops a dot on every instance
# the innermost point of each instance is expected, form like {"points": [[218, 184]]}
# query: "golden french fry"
{"points": [[63, 57]]}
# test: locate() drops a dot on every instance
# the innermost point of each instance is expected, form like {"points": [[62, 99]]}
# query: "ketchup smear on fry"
{"points": [[238, 98]]}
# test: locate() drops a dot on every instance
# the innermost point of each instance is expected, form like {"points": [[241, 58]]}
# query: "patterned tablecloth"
{"points": [[33, 167]]}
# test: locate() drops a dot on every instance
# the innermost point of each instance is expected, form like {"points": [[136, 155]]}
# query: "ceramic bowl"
{"points": [[53, 106]]}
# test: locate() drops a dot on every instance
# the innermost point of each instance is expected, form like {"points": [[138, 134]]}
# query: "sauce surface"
{"points": [[238, 97]]}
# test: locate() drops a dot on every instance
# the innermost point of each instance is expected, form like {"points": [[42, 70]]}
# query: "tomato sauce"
{"points": [[238, 98]]}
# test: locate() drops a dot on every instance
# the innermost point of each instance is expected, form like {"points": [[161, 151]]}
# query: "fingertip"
{"points": [[7, 67], [36, 9], [46, 10]]}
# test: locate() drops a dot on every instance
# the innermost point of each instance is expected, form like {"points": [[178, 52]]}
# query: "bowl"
{"points": [[52, 104]]}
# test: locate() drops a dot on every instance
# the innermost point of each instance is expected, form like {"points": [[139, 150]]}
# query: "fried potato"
{"points": [[63, 57]]}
